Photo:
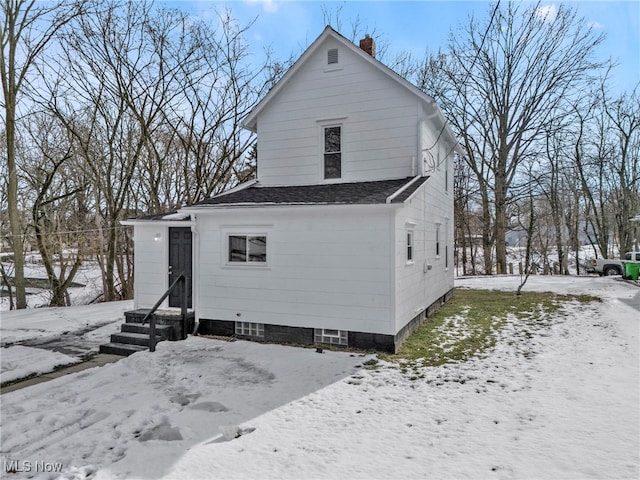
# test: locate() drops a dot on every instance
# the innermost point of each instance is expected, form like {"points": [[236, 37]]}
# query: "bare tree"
{"points": [[26, 29], [52, 177], [500, 85], [623, 114], [529, 226], [153, 100], [106, 96], [463, 204], [553, 186], [209, 141]]}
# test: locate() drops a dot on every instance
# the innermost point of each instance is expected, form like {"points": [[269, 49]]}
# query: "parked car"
{"points": [[613, 266]]}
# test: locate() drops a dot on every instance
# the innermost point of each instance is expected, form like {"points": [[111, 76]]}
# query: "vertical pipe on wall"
{"points": [[420, 166], [195, 281]]}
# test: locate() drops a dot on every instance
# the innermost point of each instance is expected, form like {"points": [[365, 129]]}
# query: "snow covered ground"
{"points": [[39, 340], [562, 404], [88, 279]]}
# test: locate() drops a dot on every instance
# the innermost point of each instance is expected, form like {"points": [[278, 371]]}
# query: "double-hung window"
{"points": [[247, 248], [332, 151]]}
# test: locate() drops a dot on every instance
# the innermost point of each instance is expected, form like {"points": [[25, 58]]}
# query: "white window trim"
{"points": [[333, 67], [410, 247], [328, 123], [226, 263], [438, 245]]}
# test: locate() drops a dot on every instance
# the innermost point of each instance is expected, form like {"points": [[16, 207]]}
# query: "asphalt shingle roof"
{"points": [[334, 193]]}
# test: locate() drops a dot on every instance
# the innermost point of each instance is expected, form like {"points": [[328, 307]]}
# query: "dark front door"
{"points": [[180, 248]]}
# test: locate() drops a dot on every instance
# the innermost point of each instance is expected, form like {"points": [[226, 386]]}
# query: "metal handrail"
{"points": [[183, 309]]}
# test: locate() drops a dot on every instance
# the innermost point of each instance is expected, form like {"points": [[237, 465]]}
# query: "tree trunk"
{"points": [[15, 220], [500, 225]]}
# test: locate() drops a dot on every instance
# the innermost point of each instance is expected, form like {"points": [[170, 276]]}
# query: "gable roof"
{"points": [[356, 193], [251, 121]]}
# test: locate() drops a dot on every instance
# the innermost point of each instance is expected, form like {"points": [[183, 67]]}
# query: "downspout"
{"points": [[194, 273], [420, 166]]}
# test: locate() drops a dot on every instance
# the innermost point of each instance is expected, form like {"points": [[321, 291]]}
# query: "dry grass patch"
{"points": [[469, 323]]}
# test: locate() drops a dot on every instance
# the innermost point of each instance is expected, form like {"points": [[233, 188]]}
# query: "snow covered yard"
{"points": [[36, 341], [563, 403], [136, 417], [87, 283]]}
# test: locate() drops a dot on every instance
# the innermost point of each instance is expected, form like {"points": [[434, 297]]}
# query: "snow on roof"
{"points": [[176, 216]]}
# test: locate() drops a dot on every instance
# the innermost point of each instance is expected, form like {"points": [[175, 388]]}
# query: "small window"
{"points": [[332, 56], [446, 245], [245, 248], [331, 337], [332, 150], [438, 241], [446, 177], [250, 329], [409, 246]]}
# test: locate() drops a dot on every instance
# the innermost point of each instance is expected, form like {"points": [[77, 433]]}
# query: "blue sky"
{"points": [[289, 26]]}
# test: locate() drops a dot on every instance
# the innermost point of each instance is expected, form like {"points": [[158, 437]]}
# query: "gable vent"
{"points": [[332, 56]]}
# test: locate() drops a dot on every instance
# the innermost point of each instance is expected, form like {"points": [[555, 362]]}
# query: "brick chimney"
{"points": [[368, 45]]}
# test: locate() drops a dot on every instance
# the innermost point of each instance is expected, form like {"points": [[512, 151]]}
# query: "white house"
{"points": [[346, 235]]}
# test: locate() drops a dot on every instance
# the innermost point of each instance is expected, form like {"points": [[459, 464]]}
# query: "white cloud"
{"points": [[547, 13], [596, 25], [269, 6]]}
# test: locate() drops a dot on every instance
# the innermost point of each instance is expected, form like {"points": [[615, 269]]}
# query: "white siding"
{"points": [[327, 267], [378, 118], [417, 286], [150, 264]]}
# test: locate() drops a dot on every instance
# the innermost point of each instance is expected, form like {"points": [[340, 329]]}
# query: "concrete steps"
{"points": [[162, 331], [134, 335], [123, 349]]}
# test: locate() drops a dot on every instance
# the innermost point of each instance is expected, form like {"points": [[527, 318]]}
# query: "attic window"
{"points": [[332, 56]]}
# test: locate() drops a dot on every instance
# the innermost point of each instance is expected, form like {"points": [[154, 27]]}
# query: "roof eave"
{"points": [[165, 223], [223, 206]]}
